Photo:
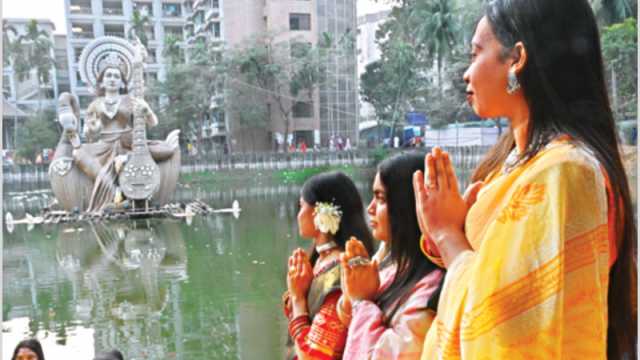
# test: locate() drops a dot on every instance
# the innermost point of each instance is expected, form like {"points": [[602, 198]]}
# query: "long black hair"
{"points": [[337, 188], [31, 344], [396, 174], [564, 85]]}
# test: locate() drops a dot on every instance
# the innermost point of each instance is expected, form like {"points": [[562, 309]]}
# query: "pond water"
{"points": [[156, 289]]}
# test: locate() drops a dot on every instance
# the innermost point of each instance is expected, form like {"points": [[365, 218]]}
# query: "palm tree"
{"points": [[139, 25], [436, 30], [37, 51], [10, 42], [172, 50]]}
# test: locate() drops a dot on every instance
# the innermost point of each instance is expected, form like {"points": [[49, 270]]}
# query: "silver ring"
{"points": [[358, 261]]}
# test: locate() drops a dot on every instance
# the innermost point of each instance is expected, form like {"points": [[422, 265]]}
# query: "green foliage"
{"points": [[31, 50], [188, 89], [613, 11], [620, 51], [172, 50], [422, 61], [265, 71], [380, 153], [9, 43], [139, 25], [37, 133]]}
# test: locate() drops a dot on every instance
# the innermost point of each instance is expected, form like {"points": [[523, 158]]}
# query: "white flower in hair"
{"points": [[326, 217]]}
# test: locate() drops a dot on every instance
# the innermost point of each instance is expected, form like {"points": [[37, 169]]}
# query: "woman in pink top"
{"points": [[389, 311]]}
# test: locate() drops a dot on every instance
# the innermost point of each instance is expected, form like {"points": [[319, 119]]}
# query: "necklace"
{"points": [[326, 246], [111, 101]]}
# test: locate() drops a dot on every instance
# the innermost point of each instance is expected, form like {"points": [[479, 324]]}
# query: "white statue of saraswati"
{"points": [[116, 162]]}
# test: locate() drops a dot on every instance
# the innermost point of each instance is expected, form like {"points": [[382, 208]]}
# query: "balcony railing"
{"points": [[84, 9], [83, 35], [115, 33], [112, 10]]}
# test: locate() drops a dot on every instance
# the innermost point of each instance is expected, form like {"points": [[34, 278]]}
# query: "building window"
{"points": [[84, 101], [215, 30], [114, 30], [151, 57], [113, 8], [151, 34], [152, 77], [299, 21], [187, 7], [82, 31], [173, 30], [215, 4], [143, 8], [171, 10], [76, 54], [299, 49], [6, 86], [302, 110], [80, 7], [199, 18], [80, 83]]}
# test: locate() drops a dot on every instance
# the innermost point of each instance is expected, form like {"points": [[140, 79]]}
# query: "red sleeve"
{"points": [[326, 336]]}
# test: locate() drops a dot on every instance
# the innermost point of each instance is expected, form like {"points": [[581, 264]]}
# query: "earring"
{"points": [[512, 82]]}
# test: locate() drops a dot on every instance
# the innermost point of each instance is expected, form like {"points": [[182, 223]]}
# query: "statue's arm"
{"points": [[92, 124], [150, 117]]}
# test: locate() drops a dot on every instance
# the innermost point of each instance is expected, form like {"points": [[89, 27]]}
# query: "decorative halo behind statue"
{"points": [[104, 52]]}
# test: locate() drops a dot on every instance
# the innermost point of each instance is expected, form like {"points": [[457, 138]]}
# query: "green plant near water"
{"points": [[299, 176]]}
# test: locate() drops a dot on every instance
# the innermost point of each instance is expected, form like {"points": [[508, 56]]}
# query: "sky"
{"points": [[39, 9], [54, 10]]}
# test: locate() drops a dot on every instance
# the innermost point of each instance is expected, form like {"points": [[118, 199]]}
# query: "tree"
{"points": [[139, 25], [620, 51], [282, 75], [9, 42], [424, 45], [38, 132], [188, 90], [613, 11], [436, 29], [172, 50], [34, 52]]}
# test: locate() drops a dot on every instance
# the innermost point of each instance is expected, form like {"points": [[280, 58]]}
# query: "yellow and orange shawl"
{"points": [[535, 285]]}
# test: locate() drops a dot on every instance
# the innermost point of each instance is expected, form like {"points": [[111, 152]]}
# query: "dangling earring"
{"points": [[512, 82]]}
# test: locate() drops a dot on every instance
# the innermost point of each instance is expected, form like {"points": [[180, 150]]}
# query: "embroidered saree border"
{"points": [[525, 293]]}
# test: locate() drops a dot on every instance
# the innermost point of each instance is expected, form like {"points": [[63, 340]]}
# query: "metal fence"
{"points": [[465, 159]]}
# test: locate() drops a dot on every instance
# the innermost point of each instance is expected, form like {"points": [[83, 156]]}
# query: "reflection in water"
{"points": [[158, 289], [114, 269]]}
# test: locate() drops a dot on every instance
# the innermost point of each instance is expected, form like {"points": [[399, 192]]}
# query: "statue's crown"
{"points": [[112, 60]]}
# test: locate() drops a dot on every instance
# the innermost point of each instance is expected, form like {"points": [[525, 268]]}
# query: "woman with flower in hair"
{"points": [[389, 306], [331, 211]]}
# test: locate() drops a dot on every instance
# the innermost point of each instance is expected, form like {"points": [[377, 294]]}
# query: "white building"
{"points": [[368, 51]]}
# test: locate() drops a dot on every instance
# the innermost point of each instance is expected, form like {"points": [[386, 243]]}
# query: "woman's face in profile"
{"points": [[379, 212], [486, 76], [112, 80], [26, 354], [306, 228]]}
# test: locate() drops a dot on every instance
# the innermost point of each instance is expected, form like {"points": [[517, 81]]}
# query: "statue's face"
{"points": [[112, 80]]}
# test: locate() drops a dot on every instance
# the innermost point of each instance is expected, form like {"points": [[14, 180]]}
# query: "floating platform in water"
{"points": [[177, 211]]}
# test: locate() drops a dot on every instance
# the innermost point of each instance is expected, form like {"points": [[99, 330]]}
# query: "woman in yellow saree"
{"points": [[541, 266]]}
